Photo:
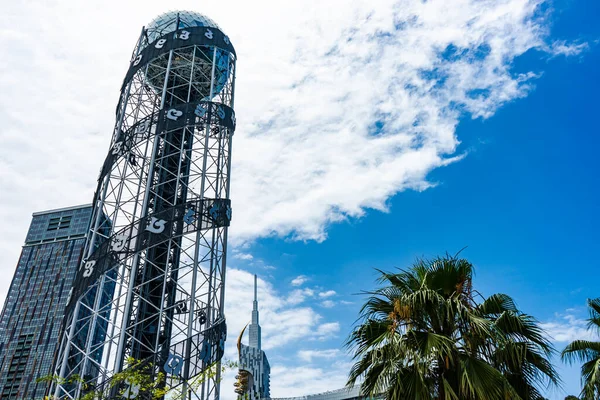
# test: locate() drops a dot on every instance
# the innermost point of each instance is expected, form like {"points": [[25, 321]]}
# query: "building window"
{"points": [[53, 225], [59, 223], [17, 365]]}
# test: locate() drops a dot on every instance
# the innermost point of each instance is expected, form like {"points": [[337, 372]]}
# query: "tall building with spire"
{"points": [[254, 328], [254, 376]]}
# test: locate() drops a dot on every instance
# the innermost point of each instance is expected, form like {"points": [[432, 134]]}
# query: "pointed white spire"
{"points": [[255, 303], [254, 328]]}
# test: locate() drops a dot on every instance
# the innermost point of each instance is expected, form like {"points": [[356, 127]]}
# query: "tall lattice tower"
{"points": [[151, 285]]}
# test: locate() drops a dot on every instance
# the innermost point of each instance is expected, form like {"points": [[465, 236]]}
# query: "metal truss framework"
{"points": [[151, 285]]}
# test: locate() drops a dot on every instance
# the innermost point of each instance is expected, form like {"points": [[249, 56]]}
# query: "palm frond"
{"points": [[581, 351], [479, 380], [594, 310], [496, 304], [590, 376]]}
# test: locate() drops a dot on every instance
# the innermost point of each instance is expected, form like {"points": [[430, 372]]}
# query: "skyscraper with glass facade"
{"points": [[34, 308]]}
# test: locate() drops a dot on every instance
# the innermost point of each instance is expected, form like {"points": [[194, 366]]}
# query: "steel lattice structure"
{"points": [[151, 284]]}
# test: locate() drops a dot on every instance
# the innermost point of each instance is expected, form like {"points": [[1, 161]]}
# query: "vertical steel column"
{"points": [[188, 347]]}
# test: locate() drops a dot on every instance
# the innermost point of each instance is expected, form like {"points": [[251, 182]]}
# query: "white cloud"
{"points": [[309, 355], [243, 256], [373, 64], [299, 295], [568, 327], [328, 304], [328, 293], [328, 329], [299, 381], [299, 280], [562, 48]]}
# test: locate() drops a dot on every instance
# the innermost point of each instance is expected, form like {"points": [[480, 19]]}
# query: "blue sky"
{"points": [[362, 142], [524, 201]]}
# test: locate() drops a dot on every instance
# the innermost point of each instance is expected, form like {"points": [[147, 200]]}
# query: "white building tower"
{"points": [[254, 328], [253, 379]]}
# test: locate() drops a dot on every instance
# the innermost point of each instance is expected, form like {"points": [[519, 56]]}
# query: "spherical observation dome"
{"points": [[181, 66], [167, 22]]}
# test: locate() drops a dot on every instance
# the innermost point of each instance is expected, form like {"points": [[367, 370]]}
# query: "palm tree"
{"points": [[424, 336], [588, 353]]}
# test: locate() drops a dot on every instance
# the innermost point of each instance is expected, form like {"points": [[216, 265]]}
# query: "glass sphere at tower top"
{"points": [[204, 56], [167, 22]]}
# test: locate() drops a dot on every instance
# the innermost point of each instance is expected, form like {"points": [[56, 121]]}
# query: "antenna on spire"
{"points": [[254, 329], [255, 290]]}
